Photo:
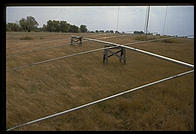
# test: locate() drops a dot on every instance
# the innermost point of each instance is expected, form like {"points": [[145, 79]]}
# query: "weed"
{"points": [[26, 38], [143, 38], [169, 41]]}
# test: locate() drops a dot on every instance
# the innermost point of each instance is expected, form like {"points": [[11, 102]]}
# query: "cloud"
{"points": [[180, 19]]}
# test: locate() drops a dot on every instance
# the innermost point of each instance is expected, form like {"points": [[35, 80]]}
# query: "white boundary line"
{"points": [[101, 100]]}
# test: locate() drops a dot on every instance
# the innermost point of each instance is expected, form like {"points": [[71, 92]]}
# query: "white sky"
{"points": [[179, 20]]}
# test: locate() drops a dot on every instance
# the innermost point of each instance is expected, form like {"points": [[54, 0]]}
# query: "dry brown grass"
{"points": [[26, 38], [170, 41], [144, 37], [56, 86]]}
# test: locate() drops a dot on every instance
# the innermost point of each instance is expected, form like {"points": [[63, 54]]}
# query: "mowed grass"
{"points": [[53, 87]]}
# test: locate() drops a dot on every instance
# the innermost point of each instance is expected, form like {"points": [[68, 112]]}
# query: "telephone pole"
{"points": [[117, 19], [164, 21], [147, 19]]}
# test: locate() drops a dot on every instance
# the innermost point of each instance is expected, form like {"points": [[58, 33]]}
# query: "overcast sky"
{"points": [[179, 19]]}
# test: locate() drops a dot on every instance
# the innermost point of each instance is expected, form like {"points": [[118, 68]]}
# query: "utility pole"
{"points": [[164, 21], [117, 19], [147, 20]]}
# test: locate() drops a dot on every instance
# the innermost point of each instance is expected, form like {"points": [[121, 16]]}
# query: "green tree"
{"points": [[56, 25], [44, 28], [68, 27], [83, 28], [31, 23], [53, 26], [138, 32], [7, 28], [117, 32], [111, 31], [74, 29], [28, 24], [23, 24], [64, 26], [13, 27], [50, 26]]}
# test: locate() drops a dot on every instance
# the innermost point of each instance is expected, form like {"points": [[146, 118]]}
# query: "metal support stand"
{"points": [[108, 51], [75, 40]]}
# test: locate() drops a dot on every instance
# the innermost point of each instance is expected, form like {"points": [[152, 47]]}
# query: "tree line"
{"points": [[30, 24], [138, 32]]}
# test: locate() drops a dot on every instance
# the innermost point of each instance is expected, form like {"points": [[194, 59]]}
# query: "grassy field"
{"points": [[45, 89]]}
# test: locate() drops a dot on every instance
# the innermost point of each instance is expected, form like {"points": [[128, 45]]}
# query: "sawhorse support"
{"points": [[108, 53], [75, 39]]}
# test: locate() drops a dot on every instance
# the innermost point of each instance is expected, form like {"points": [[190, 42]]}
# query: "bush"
{"points": [[26, 38], [140, 38], [41, 38], [169, 41], [143, 38]]}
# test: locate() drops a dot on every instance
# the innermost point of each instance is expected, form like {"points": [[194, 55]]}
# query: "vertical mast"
{"points": [[117, 19], [164, 21], [147, 19]]}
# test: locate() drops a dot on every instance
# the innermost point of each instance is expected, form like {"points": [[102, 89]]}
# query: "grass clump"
{"points": [[169, 41], [144, 37], [41, 38], [26, 38]]}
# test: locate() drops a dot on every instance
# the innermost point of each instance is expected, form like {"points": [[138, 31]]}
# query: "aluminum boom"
{"points": [[95, 50], [63, 45], [101, 100], [143, 51]]}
